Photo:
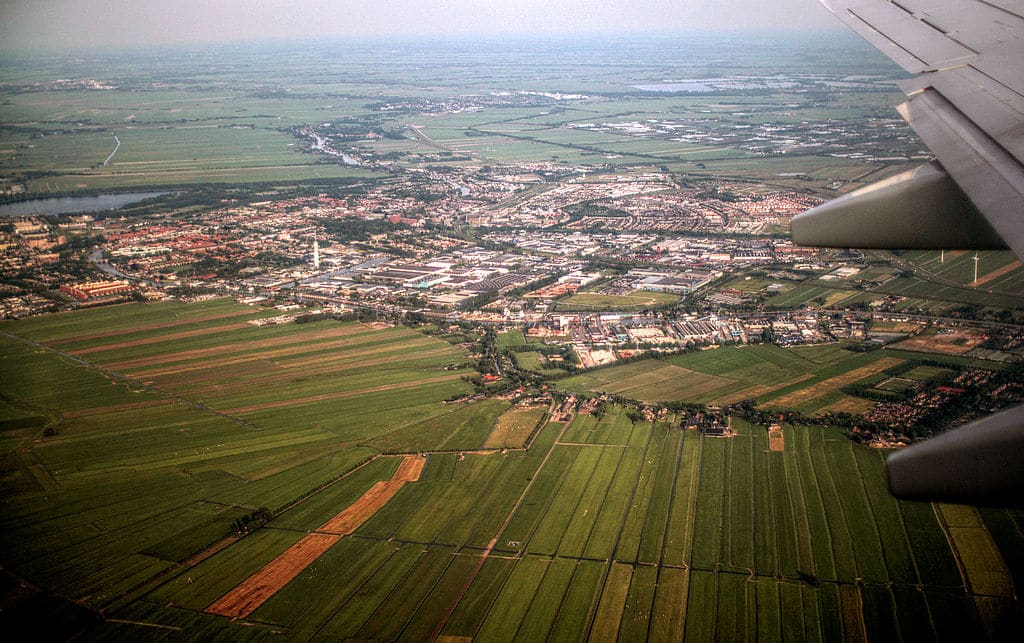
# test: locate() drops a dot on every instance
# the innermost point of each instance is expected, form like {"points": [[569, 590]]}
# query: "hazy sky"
{"points": [[73, 23]]}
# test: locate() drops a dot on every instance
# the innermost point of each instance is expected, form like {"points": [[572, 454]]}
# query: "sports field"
{"points": [[635, 300], [161, 425]]}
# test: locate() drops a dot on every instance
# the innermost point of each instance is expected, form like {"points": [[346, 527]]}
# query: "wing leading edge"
{"points": [[966, 103]]}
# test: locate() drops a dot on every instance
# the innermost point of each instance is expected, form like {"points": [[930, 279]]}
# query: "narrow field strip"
{"points": [[156, 340], [251, 593], [759, 390], [131, 330], [349, 351], [173, 365], [337, 395], [199, 353], [276, 373], [976, 551], [376, 497], [255, 590], [117, 408]]}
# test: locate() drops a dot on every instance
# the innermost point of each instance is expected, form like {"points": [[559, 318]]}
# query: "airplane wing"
{"points": [[966, 102]]}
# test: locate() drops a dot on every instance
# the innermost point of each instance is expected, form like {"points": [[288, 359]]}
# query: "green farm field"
{"points": [[717, 376], [806, 378], [161, 425]]}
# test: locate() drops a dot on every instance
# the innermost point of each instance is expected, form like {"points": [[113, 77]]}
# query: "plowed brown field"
{"points": [[248, 595]]}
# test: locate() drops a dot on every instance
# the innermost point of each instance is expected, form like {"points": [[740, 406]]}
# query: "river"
{"points": [[321, 145]]}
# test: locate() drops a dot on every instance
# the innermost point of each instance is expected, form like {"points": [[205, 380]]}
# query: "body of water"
{"points": [[704, 85], [74, 204]]}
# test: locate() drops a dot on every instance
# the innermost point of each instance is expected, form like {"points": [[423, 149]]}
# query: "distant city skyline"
{"points": [[55, 24]]}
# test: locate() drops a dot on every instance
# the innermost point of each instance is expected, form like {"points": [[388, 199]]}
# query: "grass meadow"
{"points": [[805, 378]]}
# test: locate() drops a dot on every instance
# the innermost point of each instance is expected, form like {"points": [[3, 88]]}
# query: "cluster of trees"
{"points": [[998, 340], [422, 195], [79, 243], [519, 291], [975, 401], [590, 209], [500, 362], [479, 301], [251, 522], [869, 392], [972, 402], [566, 352], [359, 229], [749, 411], [320, 316], [635, 415]]}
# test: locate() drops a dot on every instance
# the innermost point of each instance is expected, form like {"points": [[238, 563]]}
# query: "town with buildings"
{"points": [[601, 262], [588, 280]]}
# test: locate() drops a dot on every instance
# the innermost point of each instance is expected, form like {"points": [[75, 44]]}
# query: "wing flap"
{"points": [[988, 174], [994, 108]]}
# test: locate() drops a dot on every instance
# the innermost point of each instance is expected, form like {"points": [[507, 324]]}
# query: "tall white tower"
{"points": [[316, 254], [975, 267]]}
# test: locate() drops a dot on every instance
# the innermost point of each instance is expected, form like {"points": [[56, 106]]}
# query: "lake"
{"points": [[75, 204]]}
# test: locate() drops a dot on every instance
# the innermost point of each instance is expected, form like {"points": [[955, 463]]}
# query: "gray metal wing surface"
{"points": [[966, 102]]}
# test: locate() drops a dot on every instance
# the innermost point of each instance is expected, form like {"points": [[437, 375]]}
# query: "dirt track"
{"points": [[759, 390], [814, 391], [248, 595]]}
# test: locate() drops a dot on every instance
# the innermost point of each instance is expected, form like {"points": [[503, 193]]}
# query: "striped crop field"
{"points": [[407, 515]]}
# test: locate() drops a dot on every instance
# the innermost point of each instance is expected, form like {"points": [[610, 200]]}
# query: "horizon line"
{"points": [[462, 36]]}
